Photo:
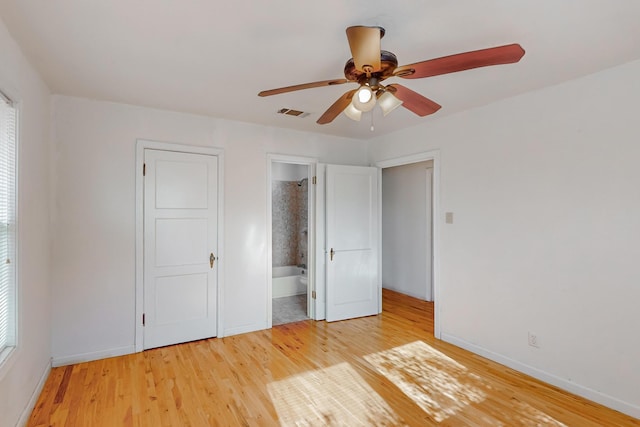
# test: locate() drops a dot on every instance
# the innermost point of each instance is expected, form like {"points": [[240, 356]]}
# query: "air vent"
{"points": [[290, 112]]}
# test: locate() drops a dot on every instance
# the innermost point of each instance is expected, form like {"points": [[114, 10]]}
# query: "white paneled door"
{"points": [[351, 242], [180, 246]]}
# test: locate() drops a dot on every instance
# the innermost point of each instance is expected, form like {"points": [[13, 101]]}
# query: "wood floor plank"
{"points": [[379, 370]]}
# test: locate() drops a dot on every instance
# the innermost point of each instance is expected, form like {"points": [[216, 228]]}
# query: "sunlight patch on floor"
{"points": [[336, 395], [443, 387], [435, 382], [526, 415]]}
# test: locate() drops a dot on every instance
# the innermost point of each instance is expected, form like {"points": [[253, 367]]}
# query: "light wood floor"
{"points": [[384, 370]]}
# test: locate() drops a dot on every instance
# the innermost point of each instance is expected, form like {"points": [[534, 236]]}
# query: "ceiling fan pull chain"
{"points": [[372, 128]]}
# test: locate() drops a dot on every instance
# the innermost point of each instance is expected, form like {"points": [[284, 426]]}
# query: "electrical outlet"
{"points": [[533, 340]]}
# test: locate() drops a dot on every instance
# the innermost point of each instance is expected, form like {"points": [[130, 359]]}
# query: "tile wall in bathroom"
{"points": [[289, 228]]}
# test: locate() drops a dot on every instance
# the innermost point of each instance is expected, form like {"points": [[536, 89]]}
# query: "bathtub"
{"points": [[289, 280]]}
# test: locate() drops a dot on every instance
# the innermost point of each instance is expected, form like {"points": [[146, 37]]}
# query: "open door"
{"points": [[351, 242]]}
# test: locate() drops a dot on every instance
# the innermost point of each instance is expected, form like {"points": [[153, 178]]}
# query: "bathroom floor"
{"points": [[289, 309]]}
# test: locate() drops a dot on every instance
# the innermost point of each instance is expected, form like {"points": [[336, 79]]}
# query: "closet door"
{"points": [[180, 246]]}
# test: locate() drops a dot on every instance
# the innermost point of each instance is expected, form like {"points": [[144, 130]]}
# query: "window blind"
{"points": [[7, 224]]}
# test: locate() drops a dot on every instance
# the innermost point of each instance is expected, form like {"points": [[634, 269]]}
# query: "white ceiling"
{"points": [[212, 58]]}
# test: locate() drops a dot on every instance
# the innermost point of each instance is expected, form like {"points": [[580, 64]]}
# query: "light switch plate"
{"points": [[448, 217]]}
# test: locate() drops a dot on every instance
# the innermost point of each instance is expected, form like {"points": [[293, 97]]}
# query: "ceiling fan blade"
{"points": [[364, 43], [302, 86], [507, 54], [413, 101], [337, 108]]}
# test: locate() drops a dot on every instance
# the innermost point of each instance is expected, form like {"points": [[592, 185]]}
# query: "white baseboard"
{"points": [[411, 294], [96, 355], [244, 329], [593, 395], [26, 412]]}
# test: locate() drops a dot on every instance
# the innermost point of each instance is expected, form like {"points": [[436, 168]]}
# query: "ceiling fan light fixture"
{"points": [[369, 66], [364, 99], [352, 112], [388, 102], [364, 94]]}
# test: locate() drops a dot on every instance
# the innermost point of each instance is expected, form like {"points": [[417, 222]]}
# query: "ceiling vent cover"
{"points": [[290, 112]]}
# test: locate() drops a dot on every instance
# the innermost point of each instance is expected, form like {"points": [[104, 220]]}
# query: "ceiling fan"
{"points": [[370, 66]]}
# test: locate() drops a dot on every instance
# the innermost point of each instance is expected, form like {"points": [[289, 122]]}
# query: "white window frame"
{"points": [[8, 261]]}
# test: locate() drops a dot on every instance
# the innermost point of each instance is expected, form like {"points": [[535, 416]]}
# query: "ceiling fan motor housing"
{"points": [[388, 63]]}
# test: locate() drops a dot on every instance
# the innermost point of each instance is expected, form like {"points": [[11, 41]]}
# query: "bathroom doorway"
{"points": [[291, 208]]}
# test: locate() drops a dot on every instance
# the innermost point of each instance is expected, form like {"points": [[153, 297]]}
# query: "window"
{"points": [[7, 226]]}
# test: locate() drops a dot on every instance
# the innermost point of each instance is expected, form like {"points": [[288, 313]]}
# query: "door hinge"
{"points": [[143, 319], [314, 180], [144, 169], [313, 294]]}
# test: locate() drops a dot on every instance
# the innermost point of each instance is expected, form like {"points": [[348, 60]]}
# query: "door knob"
{"points": [[331, 254], [212, 259]]}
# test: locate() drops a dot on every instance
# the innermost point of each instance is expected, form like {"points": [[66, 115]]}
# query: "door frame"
{"points": [[429, 194], [141, 145], [311, 164], [435, 233]]}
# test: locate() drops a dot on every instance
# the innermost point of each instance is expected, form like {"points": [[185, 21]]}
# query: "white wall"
{"points": [[94, 215], [22, 376], [544, 191], [406, 229]]}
